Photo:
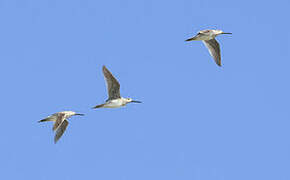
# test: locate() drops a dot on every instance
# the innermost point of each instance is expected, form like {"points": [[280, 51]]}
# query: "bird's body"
{"points": [[114, 103], [115, 100], [208, 38], [60, 122]]}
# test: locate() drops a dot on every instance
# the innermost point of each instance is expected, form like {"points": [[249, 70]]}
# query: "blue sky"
{"points": [[197, 121]]}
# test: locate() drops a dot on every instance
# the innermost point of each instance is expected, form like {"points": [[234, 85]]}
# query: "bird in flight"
{"points": [[115, 100], [208, 38], [60, 122]]}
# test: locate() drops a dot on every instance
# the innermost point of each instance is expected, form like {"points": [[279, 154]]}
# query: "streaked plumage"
{"points": [[113, 86], [60, 122], [114, 98], [208, 38]]}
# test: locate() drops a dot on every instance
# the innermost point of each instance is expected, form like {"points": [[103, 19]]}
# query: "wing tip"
{"points": [[105, 70], [104, 67], [56, 139]]}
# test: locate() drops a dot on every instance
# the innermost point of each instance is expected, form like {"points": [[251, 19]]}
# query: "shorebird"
{"points": [[60, 122], [208, 38], [115, 100]]}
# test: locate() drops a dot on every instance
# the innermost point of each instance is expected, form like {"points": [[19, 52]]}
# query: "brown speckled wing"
{"points": [[214, 50], [60, 130], [113, 85], [59, 120]]}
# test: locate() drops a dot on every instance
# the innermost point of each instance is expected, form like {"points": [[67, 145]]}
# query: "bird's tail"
{"points": [[46, 119], [190, 39], [98, 106]]}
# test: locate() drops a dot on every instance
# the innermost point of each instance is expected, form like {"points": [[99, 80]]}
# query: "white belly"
{"points": [[114, 103]]}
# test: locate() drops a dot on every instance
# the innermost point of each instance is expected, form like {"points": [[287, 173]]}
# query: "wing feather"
{"points": [[113, 85], [59, 120], [214, 50], [60, 130]]}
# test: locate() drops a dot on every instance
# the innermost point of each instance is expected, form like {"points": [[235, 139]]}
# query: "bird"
{"points": [[113, 87], [208, 38], [60, 122]]}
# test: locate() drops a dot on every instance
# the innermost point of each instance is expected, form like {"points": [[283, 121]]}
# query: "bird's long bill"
{"points": [[79, 114], [191, 39], [136, 101], [226, 33]]}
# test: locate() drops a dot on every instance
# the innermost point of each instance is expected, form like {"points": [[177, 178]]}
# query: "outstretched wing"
{"points": [[214, 50], [113, 85], [58, 121], [60, 130]]}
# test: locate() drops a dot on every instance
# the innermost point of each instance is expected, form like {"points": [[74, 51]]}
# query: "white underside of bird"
{"points": [[115, 103]]}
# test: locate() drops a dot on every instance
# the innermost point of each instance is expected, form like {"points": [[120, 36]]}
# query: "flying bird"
{"points": [[60, 122], [115, 100], [208, 38]]}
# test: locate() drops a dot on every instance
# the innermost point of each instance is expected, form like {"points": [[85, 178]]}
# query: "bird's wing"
{"points": [[60, 130], [214, 50], [58, 121], [113, 85]]}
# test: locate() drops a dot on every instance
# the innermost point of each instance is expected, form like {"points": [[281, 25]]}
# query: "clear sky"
{"points": [[197, 121]]}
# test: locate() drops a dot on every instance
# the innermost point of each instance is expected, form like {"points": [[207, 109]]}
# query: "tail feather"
{"points": [[46, 119], [98, 106], [190, 39]]}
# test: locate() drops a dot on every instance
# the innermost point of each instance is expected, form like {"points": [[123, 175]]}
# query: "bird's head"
{"points": [[77, 114], [130, 100], [218, 32]]}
